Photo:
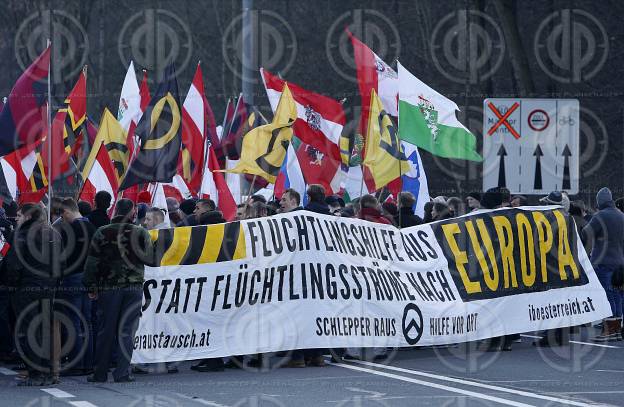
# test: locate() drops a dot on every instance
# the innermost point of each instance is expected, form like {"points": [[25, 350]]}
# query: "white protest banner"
{"points": [[303, 280]]}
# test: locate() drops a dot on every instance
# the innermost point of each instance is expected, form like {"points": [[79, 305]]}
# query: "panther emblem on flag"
{"points": [[430, 114], [315, 156], [313, 117]]}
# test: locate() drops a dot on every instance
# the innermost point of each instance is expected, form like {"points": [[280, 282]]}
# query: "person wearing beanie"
{"points": [[492, 198], [473, 201], [606, 231]]}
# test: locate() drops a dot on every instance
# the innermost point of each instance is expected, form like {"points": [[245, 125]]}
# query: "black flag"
{"points": [[159, 131]]}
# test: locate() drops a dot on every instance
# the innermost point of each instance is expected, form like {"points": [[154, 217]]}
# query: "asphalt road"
{"points": [[582, 374]]}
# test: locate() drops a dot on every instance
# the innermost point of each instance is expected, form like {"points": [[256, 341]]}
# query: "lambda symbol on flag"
{"points": [[393, 147], [174, 110]]}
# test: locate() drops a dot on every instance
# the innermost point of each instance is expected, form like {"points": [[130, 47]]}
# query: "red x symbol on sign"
{"points": [[502, 119]]}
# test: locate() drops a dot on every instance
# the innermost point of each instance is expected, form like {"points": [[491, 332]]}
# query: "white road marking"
{"points": [[200, 401], [369, 392], [82, 404], [519, 381], [596, 344], [531, 336], [594, 392], [477, 384], [609, 370], [58, 393], [599, 345], [7, 372], [436, 386]]}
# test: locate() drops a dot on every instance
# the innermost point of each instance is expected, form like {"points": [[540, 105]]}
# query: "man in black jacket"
{"points": [[33, 264], [114, 275], [316, 200], [76, 232], [290, 201], [99, 216], [202, 206], [406, 216]]}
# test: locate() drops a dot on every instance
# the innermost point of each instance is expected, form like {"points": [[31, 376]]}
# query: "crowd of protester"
{"points": [[92, 267]]}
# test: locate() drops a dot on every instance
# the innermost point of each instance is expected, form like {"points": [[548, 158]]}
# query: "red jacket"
{"points": [[374, 215]]}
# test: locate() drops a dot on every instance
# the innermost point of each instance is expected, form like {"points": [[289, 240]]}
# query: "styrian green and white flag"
{"points": [[427, 119]]}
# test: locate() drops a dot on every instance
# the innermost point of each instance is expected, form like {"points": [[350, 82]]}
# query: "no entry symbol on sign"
{"points": [[502, 119], [538, 120]]}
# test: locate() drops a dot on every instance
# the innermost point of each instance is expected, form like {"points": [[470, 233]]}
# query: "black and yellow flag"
{"points": [[264, 148], [383, 154], [38, 179], [160, 133], [113, 137]]}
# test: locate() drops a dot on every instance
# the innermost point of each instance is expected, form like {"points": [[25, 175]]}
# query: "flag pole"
{"points": [[205, 146], [398, 198], [84, 128], [49, 135], [225, 117], [248, 45], [253, 181], [362, 182]]}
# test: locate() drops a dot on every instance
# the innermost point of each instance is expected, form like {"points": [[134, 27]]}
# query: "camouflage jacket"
{"points": [[117, 256]]}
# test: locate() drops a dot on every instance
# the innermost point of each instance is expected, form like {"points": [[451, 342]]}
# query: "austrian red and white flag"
{"points": [[198, 124], [214, 187], [374, 73], [320, 119], [99, 175], [17, 168]]}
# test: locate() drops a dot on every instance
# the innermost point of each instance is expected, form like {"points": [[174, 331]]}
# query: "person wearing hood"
{"points": [[606, 231], [113, 274]]}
